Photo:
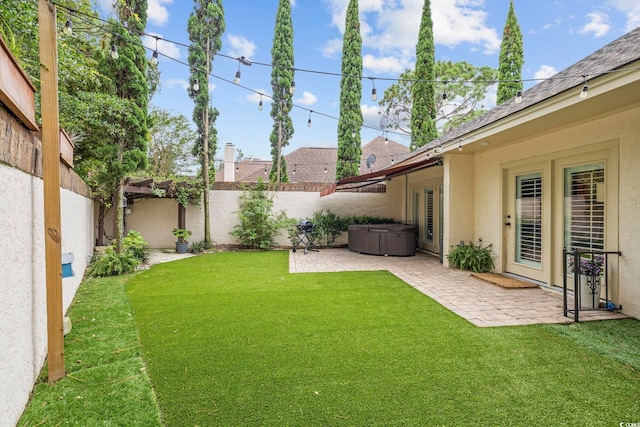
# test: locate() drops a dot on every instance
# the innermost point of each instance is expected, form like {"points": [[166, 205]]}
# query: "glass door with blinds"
{"points": [[430, 239], [584, 207], [524, 225]]}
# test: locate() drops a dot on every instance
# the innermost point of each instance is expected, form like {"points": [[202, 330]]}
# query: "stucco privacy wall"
{"points": [[619, 134], [23, 321], [155, 218]]}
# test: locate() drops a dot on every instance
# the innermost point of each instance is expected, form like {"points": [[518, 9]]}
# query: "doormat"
{"points": [[504, 281]]}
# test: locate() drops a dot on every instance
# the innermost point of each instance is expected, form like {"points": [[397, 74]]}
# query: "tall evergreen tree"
{"points": [[129, 82], [282, 84], [511, 58], [350, 121], [423, 111], [205, 26]]}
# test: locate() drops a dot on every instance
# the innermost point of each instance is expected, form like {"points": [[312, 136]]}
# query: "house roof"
{"points": [[308, 164], [609, 58]]}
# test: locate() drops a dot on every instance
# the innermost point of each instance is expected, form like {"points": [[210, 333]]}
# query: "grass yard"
{"points": [[234, 339], [106, 383]]}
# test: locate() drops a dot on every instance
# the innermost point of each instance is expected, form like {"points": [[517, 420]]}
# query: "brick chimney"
{"points": [[229, 162]]}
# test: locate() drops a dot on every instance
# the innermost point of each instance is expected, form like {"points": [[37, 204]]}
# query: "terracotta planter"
{"points": [[16, 90]]}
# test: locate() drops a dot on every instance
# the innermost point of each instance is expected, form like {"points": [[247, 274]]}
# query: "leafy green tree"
{"points": [[282, 85], [128, 82], [511, 58], [466, 88], [350, 121], [205, 26], [423, 112], [170, 144]]}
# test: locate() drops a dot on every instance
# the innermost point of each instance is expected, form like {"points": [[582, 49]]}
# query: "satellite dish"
{"points": [[370, 161], [384, 122]]}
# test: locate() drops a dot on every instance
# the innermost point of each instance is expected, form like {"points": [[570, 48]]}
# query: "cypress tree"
{"points": [[205, 26], [511, 58], [350, 121], [129, 82], [282, 82], [423, 110]]}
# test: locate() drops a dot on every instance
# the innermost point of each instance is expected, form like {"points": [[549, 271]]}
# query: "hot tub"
{"points": [[383, 239]]}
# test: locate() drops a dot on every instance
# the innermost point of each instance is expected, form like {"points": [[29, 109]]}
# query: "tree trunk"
{"points": [[101, 214], [119, 218]]}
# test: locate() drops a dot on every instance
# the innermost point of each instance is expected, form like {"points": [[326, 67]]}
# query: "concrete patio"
{"points": [[481, 303]]}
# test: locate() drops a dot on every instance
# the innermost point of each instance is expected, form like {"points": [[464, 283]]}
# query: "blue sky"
{"points": [[556, 34]]}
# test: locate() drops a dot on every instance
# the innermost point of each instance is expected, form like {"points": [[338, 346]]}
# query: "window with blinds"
{"points": [[529, 219], [584, 207], [428, 209]]}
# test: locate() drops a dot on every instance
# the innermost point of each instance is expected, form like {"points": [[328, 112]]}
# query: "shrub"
{"points": [[199, 247], [471, 257], [258, 224], [112, 264], [136, 245]]}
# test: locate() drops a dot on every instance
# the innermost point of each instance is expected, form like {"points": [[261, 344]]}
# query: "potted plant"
{"points": [[182, 234], [590, 270]]}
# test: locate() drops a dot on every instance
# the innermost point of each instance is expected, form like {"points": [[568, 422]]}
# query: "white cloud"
{"points": [[545, 72], [332, 48], [255, 97], [164, 47], [394, 24], [370, 115], [307, 98], [598, 24], [157, 13], [240, 46], [631, 8], [385, 64]]}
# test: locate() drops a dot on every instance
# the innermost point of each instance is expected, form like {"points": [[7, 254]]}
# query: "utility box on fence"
{"points": [[67, 259]]}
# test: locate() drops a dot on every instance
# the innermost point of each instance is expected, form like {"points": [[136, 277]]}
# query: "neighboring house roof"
{"points": [[308, 164], [613, 56]]}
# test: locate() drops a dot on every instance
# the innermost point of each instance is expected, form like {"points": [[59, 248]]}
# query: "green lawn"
{"points": [[234, 339]]}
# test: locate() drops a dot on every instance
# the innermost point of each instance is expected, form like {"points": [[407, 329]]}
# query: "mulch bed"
{"points": [[504, 281]]}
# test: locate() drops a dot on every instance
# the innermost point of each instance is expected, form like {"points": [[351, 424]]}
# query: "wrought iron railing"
{"points": [[594, 260]]}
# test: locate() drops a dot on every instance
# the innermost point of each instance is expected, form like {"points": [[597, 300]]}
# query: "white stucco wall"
{"points": [[155, 218], [23, 321]]}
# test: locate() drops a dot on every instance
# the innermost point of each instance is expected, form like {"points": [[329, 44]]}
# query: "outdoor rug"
{"points": [[504, 281]]}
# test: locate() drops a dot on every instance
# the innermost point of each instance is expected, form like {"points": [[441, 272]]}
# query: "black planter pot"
{"points": [[182, 247]]}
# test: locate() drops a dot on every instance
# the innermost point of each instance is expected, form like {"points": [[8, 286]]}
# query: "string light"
{"points": [[196, 86], [519, 97], [292, 88], [265, 169], [68, 27], [583, 94], [374, 93], [585, 89], [460, 146], [244, 61], [237, 167], [260, 103], [294, 168], [325, 168], [444, 92], [154, 57], [309, 121], [114, 52], [236, 79]]}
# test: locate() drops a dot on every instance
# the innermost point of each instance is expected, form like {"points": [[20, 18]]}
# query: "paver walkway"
{"points": [[481, 303]]}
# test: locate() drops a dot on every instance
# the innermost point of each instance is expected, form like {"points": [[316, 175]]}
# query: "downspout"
{"points": [[406, 198]]}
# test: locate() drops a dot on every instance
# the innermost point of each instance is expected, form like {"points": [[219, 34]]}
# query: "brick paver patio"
{"points": [[481, 303]]}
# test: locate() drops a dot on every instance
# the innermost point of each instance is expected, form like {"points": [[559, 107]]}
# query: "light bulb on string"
{"points": [[260, 103], [294, 169], [309, 121], [325, 168], [444, 93], [114, 52], [585, 89], [292, 88], [460, 146], [374, 92], [236, 79], [519, 97], [154, 57], [68, 27], [196, 86]]}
